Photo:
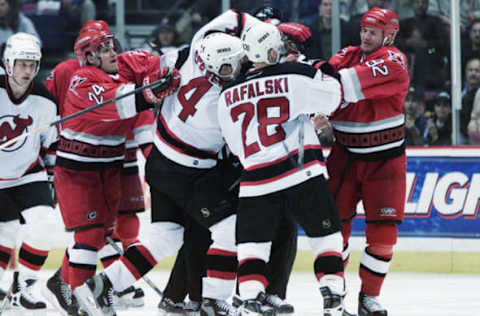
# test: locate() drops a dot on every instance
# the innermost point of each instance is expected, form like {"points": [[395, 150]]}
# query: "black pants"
{"points": [[189, 267]]}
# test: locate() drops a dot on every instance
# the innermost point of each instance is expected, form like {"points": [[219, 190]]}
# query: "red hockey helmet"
{"points": [[95, 25], [384, 19], [90, 41]]}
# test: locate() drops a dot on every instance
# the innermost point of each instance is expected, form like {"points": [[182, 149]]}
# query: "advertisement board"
{"points": [[443, 193]]}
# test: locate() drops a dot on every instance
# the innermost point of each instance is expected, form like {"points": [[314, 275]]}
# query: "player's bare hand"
{"points": [[320, 122]]}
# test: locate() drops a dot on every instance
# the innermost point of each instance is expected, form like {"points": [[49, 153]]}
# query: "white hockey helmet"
{"points": [[259, 39], [21, 46], [219, 49]]}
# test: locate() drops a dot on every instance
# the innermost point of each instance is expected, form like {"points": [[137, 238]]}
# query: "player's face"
{"points": [[4, 7], [371, 39], [24, 71], [108, 57]]}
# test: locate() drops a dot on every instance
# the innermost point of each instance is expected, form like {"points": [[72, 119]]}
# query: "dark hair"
{"points": [[12, 19]]}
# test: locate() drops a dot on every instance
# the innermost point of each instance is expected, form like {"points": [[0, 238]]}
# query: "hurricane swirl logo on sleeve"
{"points": [[12, 126]]}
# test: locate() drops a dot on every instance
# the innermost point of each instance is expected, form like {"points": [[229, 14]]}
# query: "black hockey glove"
{"points": [[327, 69]]}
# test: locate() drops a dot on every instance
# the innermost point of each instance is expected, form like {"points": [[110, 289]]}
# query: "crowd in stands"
{"points": [[424, 37]]}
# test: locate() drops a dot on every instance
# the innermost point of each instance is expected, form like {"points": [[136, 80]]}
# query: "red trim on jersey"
{"points": [[12, 97]]}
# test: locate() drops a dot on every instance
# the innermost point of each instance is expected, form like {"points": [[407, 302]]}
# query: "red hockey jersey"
{"points": [[371, 122]]}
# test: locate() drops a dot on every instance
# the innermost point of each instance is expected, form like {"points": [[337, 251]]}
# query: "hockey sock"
{"points": [[328, 257], [135, 263], [65, 268], [5, 255], [127, 227], [252, 268], [346, 232], [31, 259], [83, 255], [108, 254], [376, 257]]}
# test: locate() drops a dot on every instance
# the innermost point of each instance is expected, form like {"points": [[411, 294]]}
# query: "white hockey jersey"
{"points": [[263, 117], [21, 162], [187, 126]]}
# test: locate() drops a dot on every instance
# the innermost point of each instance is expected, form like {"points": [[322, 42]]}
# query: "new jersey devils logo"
{"points": [[13, 126]]}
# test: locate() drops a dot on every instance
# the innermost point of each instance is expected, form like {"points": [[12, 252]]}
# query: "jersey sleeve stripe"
{"points": [[352, 89], [126, 106]]}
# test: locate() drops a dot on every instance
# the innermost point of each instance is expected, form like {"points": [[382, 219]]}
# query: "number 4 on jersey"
{"points": [[189, 94]]}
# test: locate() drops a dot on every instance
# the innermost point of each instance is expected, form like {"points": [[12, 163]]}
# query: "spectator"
{"points": [[422, 38], [164, 38], [413, 108], [471, 43], [472, 83], [296, 10], [474, 124], [321, 28], [75, 13], [13, 21], [438, 128], [351, 32]]}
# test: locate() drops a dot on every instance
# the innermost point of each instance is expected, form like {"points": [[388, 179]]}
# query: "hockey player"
{"points": [[126, 222], [24, 190], [283, 171], [181, 170], [91, 151], [369, 152]]}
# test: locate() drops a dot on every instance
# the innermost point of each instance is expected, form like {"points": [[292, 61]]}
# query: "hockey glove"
{"points": [[328, 69], [298, 32], [157, 94]]}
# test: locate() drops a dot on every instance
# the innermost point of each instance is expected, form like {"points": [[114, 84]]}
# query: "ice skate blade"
{"points": [[86, 300]]}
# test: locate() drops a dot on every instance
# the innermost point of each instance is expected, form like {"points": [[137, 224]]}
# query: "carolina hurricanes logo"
{"points": [[75, 82], [11, 127]]}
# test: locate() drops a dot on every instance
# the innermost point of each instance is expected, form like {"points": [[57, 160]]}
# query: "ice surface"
{"points": [[404, 294]]}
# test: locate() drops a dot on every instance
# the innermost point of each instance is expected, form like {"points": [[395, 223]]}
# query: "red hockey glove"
{"points": [[299, 32], [157, 94]]}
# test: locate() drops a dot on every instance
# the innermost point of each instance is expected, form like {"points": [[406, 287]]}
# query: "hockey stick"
{"points": [[162, 83], [145, 278], [6, 299]]}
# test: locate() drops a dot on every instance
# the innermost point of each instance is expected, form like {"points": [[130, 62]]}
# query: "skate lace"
{"points": [[372, 304], [109, 297], [224, 306], [66, 293]]}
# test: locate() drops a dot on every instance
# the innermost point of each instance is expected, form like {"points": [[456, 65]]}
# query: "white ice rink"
{"points": [[404, 294]]}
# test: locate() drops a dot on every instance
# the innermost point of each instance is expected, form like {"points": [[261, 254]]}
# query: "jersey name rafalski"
{"points": [[21, 162], [263, 117]]}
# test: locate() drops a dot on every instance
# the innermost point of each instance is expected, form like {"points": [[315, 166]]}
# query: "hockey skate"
{"points": [[257, 306], [345, 313], [59, 294], [332, 302], [169, 308], [281, 307], [192, 308], [213, 307], [128, 298], [370, 306], [22, 297], [95, 296]]}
